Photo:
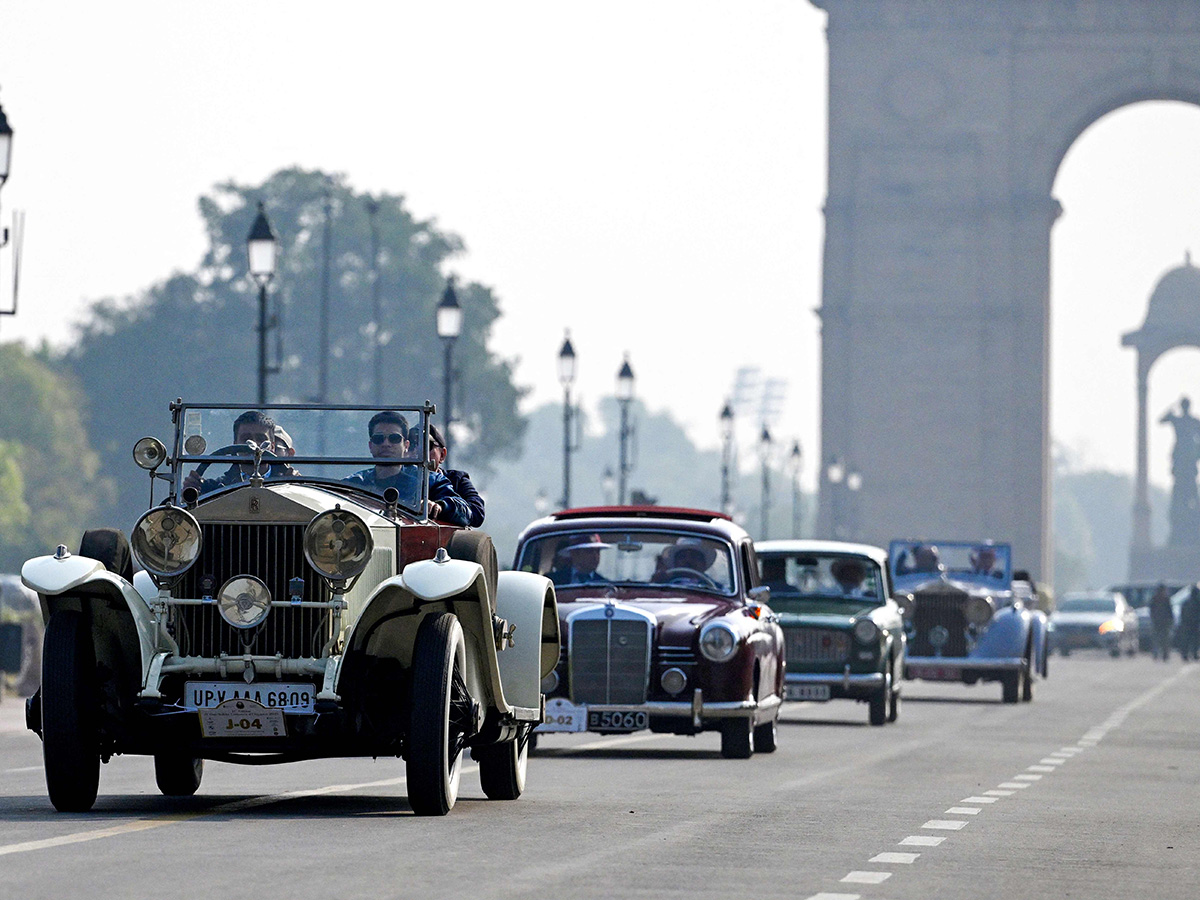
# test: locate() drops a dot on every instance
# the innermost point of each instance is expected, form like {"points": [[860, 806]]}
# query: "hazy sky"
{"points": [[648, 174]]}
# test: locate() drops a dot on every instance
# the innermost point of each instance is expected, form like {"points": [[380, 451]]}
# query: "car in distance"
{"points": [[1094, 619], [286, 613], [664, 625], [964, 620], [843, 632], [1139, 595]]}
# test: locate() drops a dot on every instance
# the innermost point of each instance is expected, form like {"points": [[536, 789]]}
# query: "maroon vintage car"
{"points": [[665, 622]]}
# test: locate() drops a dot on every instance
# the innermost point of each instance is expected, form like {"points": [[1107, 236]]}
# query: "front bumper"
{"points": [[697, 711], [846, 682], [960, 668]]}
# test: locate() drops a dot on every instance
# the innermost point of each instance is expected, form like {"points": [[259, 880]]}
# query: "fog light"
{"points": [[673, 681], [244, 601]]}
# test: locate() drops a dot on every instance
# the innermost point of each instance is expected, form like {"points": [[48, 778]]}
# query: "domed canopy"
{"points": [[1173, 314]]}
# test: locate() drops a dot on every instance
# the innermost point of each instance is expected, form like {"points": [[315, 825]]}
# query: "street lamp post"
{"points": [[726, 420], [795, 458], [624, 398], [566, 377], [6, 144], [261, 251], [764, 449], [835, 475], [376, 313], [449, 326]]}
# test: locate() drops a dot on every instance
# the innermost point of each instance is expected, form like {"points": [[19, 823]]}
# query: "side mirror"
{"points": [[760, 594]]}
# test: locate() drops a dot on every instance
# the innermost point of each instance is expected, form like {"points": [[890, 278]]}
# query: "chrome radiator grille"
{"points": [[933, 610], [274, 553], [816, 645], [610, 660]]}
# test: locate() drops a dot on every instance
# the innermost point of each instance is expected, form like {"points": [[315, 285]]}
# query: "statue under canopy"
{"points": [[1185, 500]]}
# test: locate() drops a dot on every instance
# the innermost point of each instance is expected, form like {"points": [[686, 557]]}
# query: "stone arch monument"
{"points": [[1172, 321], [947, 125]]}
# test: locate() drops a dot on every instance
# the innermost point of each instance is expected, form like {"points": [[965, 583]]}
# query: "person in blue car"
{"points": [[388, 432]]}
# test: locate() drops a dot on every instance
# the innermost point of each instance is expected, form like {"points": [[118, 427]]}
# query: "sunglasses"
{"points": [[393, 438]]}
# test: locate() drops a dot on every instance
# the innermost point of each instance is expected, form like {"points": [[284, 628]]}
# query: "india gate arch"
{"points": [[947, 125]]}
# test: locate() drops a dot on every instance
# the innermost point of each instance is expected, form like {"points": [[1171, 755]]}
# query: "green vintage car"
{"points": [[843, 632]]}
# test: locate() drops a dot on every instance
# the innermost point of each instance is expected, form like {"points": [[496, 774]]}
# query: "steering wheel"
{"points": [[684, 574], [236, 450]]}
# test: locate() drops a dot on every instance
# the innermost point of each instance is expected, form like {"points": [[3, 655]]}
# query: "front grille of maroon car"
{"points": [[816, 645], [274, 553], [610, 660], [931, 611]]}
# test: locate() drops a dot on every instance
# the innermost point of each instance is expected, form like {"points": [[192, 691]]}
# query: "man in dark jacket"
{"points": [[1162, 620], [459, 480], [1189, 625]]}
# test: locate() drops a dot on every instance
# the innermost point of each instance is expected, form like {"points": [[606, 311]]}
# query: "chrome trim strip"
{"points": [[726, 709], [872, 679], [967, 662]]}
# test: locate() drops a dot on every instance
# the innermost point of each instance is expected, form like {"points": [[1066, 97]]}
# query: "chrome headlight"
{"points": [[866, 631], [978, 610], [718, 642], [166, 541], [244, 601], [338, 544]]}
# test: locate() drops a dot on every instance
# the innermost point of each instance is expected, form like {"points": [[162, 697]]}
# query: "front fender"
{"points": [[527, 603], [1038, 624], [121, 621], [1006, 635]]}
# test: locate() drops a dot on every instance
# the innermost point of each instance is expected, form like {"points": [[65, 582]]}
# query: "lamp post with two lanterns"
{"points": [[764, 449], [795, 459], [566, 377], [261, 252], [624, 398], [726, 420], [449, 326]]}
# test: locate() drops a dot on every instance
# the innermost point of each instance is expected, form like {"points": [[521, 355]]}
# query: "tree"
{"points": [[50, 483], [194, 335]]}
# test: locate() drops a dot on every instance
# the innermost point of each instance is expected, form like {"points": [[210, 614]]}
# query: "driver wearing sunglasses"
{"points": [[388, 431]]}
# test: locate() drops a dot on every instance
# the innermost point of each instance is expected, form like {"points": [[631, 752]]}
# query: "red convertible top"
{"points": [[651, 512]]}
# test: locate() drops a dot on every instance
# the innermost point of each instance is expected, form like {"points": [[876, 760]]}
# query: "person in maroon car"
{"points": [[577, 562]]}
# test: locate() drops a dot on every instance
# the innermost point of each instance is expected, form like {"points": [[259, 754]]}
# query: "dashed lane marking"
{"points": [[825, 895], [1040, 768], [995, 793], [1027, 778], [1051, 761], [963, 811], [1014, 785], [921, 840], [905, 859], [867, 877], [980, 799], [945, 824], [23, 769]]}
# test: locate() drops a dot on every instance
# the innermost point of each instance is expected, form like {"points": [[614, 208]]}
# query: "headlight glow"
{"points": [[718, 642], [166, 541], [866, 631], [338, 544], [978, 610], [244, 601], [1112, 625]]}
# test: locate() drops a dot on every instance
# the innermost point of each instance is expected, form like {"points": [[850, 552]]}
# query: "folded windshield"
{"points": [[650, 558], [365, 447]]}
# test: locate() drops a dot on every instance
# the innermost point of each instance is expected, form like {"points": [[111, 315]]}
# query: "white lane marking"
{"points": [[1019, 785], [900, 858], [945, 824], [825, 895], [23, 769], [999, 793], [1051, 761], [1042, 768], [1066, 753], [80, 837], [963, 811], [867, 877], [921, 840], [979, 799], [613, 742], [1027, 778]]}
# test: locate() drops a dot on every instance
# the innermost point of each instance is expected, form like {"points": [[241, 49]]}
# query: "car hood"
{"points": [[677, 619], [826, 613]]}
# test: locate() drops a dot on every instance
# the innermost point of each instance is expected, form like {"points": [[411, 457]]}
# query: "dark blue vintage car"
{"points": [[966, 618]]}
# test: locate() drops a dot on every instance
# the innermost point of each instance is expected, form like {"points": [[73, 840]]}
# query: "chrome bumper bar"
{"points": [[846, 680], [967, 662], [697, 709]]}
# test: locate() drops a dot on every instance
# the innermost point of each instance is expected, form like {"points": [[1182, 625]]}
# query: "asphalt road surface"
{"points": [[1089, 791]]}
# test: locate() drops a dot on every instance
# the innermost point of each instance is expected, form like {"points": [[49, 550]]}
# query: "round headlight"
{"points": [[673, 680], [978, 610], [338, 544], [149, 453], [718, 642], [244, 601], [866, 631], [550, 682], [166, 541]]}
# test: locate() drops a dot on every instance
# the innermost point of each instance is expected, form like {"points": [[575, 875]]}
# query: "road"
{"points": [[1087, 792]]}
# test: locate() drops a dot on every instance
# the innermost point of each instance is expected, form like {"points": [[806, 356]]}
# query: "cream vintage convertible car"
{"points": [[286, 609]]}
